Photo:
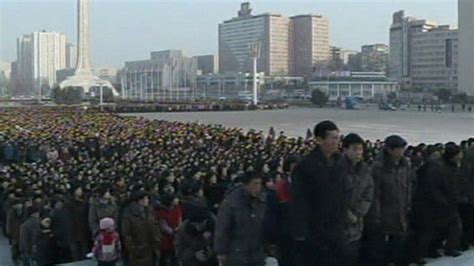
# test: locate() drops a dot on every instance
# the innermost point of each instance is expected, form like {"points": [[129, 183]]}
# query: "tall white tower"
{"points": [[83, 76]]}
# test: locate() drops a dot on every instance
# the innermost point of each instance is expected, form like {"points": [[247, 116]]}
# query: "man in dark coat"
{"points": [[436, 202], [102, 206], [387, 221], [361, 192], [320, 202], [194, 239], [193, 196], [4, 198], [78, 228], [466, 191], [29, 232], [60, 225], [239, 228], [282, 187], [141, 232], [45, 254], [16, 216]]}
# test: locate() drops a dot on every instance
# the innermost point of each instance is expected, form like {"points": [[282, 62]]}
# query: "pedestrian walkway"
{"points": [[4, 252]]}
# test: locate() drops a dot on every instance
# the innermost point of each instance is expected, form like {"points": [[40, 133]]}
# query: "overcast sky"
{"points": [[124, 30]]}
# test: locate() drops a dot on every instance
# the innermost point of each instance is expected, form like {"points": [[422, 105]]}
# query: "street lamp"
{"points": [[174, 77], [141, 86], [255, 50]]}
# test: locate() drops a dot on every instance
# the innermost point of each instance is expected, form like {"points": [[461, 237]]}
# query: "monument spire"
{"points": [[83, 75], [83, 65]]}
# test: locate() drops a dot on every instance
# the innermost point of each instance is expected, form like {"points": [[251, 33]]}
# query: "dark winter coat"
{"points": [[465, 184], [190, 202], [214, 195], [320, 197], [239, 229], [272, 221], [188, 241], [436, 196], [46, 248], [141, 235], [99, 210], [392, 194], [78, 223], [29, 232], [3, 199], [61, 225], [361, 196], [14, 221]]}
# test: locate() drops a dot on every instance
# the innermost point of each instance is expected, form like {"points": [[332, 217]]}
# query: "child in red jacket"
{"points": [[107, 246]]}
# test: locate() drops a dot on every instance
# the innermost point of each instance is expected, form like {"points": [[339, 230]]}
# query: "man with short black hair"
{"points": [[239, 226], [387, 221], [141, 232], [320, 201], [361, 192]]}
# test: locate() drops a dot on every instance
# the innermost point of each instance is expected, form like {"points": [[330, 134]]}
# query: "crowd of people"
{"points": [[140, 107], [82, 183]]}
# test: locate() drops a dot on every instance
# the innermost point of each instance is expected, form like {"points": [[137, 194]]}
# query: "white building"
{"points": [[367, 85], [270, 30], [374, 57], [39, 56], [207, 64], [24, 65], [49, 55], [228, 85], [466, 46], [346, 54], [168, 75], [401, 32], [423, 54], [309, 43], [434, 59], [5, 69], [71, 53], [5, 75]]}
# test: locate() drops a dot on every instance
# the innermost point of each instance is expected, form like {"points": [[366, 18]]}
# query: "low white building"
{"points": [[359, 84], [228, 85]]}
